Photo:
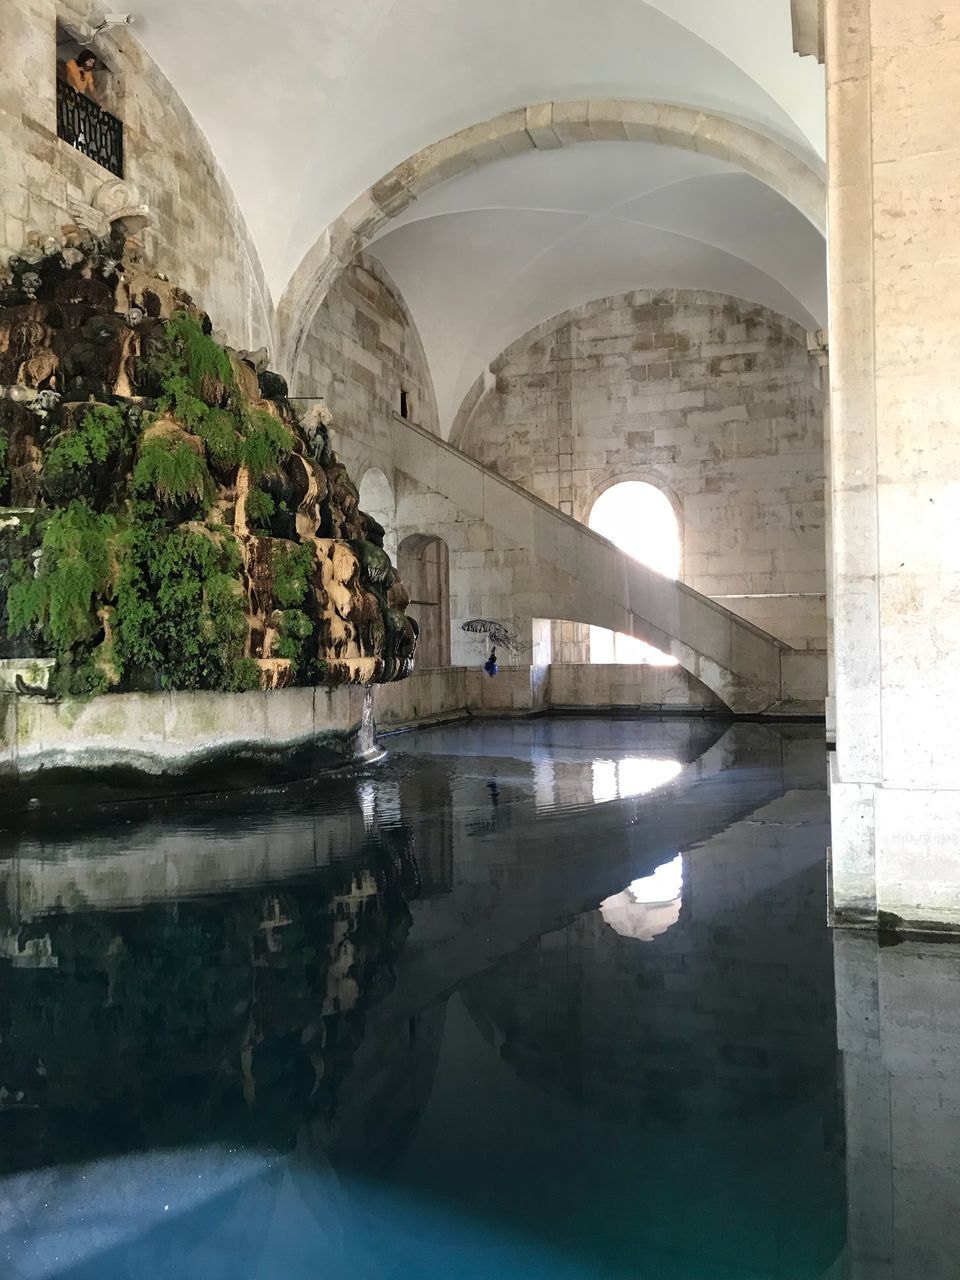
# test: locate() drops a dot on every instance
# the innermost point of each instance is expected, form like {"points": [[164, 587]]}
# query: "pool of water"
{"points": [[549, 1000]]}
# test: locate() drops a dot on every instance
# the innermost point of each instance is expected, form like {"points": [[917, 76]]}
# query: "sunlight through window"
{"points": [[631, 776], [639, 519]]}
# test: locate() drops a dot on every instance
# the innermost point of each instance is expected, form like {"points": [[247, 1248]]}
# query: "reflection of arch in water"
{"points": [[377, 499], [649, 906], [659, 1028], [424, 564]]}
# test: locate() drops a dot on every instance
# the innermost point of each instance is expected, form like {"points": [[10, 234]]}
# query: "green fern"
{"points": [[243, 676], [292, 565], [99, 434], [181, 611], [173, 472], [190, 354], [220, 432], [295, 629], [265, 441], [259, 508], [78, 564]]}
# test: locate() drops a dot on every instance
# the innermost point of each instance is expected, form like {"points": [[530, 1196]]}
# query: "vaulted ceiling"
{"points": [[485, 257], [308, 103]]}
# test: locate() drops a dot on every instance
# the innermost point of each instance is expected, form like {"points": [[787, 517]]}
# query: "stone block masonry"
{"points": [[198, 238], [714, 401], [513, 555], [362, 350]]}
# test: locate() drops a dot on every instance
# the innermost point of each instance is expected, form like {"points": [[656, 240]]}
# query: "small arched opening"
{"points": [[640, 519], [377, 500], [424, 564]]}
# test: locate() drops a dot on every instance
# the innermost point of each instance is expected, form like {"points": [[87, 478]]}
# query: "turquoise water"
{"points": [[549, 1000]]}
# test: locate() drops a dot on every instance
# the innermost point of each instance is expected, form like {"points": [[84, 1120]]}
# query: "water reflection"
{"points": [[898, 1010], [632, 776], [382, 1028], [648, 906]]}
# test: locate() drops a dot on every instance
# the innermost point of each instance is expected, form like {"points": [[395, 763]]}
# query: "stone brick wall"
{"points": [[198, 239], [362, 350], [711, 399]]}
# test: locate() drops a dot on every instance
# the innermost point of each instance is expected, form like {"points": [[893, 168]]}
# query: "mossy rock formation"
{"points": [[170, 522]]}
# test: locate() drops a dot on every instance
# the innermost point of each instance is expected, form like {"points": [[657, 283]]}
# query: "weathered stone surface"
{"points": [[198, 233], [712, 401], [362, 350], [893, 74]]}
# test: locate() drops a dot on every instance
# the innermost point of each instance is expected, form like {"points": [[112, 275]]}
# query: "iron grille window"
{"points": [[86, 126]]}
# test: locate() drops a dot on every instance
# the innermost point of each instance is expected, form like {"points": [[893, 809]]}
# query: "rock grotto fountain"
{"points": [[167, 521]]}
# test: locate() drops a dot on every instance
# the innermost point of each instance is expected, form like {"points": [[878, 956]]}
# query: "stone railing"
{"points": [[90, 129]]}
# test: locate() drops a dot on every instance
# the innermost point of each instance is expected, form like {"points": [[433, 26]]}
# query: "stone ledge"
{"points": [[133, 746]]}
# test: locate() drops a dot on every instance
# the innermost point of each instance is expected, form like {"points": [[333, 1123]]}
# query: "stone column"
{"points": [[893, 76], [817, 346], [565, 357]]}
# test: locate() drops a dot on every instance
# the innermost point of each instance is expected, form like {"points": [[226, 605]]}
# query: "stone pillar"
{"points": [[816, 345], [893, 76], [565, 358]]}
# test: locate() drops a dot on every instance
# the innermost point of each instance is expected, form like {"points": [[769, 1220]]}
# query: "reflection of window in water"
{"points": [[649, 906], [544, 784], [367, 795], [632, 776]]}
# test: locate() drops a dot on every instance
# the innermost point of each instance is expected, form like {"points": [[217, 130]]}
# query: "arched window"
{"points": [[424, 564], [377, 500], [641, 521]]}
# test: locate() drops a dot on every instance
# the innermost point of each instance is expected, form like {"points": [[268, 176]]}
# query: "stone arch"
{"points": [[377, 499], [544, 126], [653, 521], [364, 304], [611, 477], [424, 563]]}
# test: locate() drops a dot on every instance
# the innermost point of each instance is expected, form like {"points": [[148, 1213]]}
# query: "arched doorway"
{"points": [[424, 564], [640, 519], [377, 500]]}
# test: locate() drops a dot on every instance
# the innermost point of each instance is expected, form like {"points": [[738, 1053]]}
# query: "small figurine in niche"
{"points": [[79, 72], [490, 666]]}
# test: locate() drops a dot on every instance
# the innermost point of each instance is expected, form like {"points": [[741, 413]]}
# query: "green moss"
{"points": [[295, 630], [173, 471], [260, 509], [292, 565], [244, 676], [99, 434]]}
